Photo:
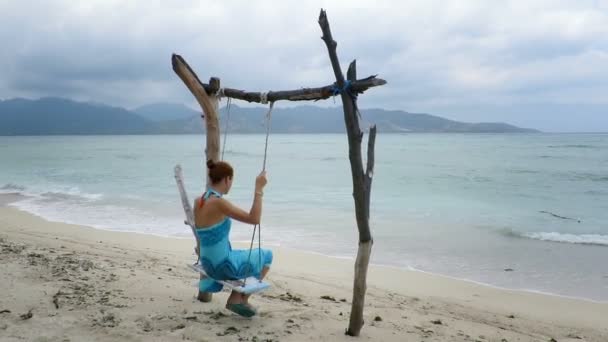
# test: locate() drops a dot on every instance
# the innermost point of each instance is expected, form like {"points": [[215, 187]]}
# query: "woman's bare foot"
{"points": [[246, 302], [236, 304], [235, 298]]}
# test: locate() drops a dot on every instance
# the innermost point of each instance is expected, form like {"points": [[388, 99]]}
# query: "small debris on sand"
{"points": [[218, 315], [178, 327], [27, 315], [56, 299], [574, 336], [288, 297], [228, 331]]}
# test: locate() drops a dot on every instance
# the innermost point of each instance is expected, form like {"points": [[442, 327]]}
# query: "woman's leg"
{"points": [[264, 272], [236, 297], [262, 275]]}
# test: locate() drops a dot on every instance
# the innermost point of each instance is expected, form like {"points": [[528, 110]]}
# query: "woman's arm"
{"points": [[251, 217], [255, 213]]}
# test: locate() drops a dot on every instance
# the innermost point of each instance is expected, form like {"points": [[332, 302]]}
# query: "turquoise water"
{"points": [[468, 206]]}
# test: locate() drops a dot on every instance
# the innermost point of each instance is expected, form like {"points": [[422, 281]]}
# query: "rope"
{"points": [[258, 226], [268, 117], [337, 90], [251, 248], [264, 98], [228, 106], [260, 246]]}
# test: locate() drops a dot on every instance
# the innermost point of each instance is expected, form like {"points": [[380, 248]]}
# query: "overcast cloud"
{"points": [[541, 64]]}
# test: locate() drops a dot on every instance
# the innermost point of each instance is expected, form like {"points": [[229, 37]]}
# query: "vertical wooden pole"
{"points": [[361, 180], [209, 105], [212, 122], [212, 149]]}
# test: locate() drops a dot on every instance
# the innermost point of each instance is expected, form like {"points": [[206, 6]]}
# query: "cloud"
{"points": [[444, 57]]}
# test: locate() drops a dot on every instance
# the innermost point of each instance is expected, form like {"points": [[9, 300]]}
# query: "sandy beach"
{"points": [[63, 282]]}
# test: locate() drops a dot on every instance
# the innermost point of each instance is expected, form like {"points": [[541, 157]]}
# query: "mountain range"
{"points": [[60, 116]]}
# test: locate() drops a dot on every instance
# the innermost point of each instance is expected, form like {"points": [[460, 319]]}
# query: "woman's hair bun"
{"points": [[219, 170]]}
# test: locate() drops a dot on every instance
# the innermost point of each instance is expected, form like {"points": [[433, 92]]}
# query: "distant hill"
{"points": [[49, 116], [399, 121], [311, 119], [165, 111]]}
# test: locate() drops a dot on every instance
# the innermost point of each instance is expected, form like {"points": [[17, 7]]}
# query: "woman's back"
{"points": [[207, 211], [213, 231]]}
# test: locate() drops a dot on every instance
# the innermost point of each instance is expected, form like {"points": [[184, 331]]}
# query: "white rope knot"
{"points": [[263, 98], [220, 93]]}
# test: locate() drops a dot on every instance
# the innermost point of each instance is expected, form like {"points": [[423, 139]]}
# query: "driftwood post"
{"points": [[362, 181], [209, 105]]}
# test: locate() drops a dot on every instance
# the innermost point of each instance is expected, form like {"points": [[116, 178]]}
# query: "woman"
{"points": [[212, 216]]}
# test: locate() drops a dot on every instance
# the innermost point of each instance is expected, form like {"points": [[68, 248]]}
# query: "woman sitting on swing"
{"points": [[212, 216]]}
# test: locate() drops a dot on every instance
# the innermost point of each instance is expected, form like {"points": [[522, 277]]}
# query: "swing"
{"points": [[247, 285]]}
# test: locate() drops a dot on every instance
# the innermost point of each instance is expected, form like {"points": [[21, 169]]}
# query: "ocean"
{"points": [[518, 211]]}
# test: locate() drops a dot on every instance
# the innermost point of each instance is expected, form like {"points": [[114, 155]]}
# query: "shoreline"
{"points": [[7, 198], [473, 282], [145, 279]]}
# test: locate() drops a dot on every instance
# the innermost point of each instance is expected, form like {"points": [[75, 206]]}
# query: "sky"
{"points": [[539, 64]]}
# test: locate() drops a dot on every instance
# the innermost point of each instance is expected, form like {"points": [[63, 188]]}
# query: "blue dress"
{"points": [[220, 261]]}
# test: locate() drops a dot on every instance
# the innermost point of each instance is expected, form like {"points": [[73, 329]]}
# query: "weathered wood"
{"points": [[353, 130], [212, 126], [304, 94], [212, 149], [361, 179], [359, 288], [369, 171], [179, 178], [190, 79]]}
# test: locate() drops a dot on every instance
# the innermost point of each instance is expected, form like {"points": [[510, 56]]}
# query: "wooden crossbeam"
{"points": [[181, 67]]}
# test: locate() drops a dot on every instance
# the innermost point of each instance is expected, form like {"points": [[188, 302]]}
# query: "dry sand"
{"points": [[64, 282]]}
